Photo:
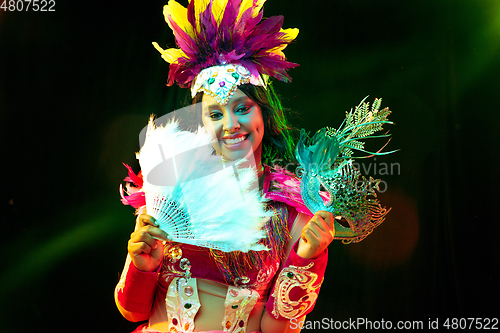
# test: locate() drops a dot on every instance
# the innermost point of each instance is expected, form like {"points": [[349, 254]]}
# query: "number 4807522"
{"points": [[26, 5]]}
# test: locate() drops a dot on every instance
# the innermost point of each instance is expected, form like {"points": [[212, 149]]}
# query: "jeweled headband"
{"points": [[223, 44]]}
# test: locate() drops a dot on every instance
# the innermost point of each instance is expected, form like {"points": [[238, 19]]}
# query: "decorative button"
{"points": [[211, 80], [235, 306], [290, 275], [174, 321], [174, 253], [189, 291], [222, 83], [235, 75], [234, 292], [241, 323], [188, 305], [228, 324]]}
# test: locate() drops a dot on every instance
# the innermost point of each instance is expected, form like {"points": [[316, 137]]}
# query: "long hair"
{"points": [[278, 143]]}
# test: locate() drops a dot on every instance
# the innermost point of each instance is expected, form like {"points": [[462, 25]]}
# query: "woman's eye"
{"points": [[215, 115], [243, 109]]}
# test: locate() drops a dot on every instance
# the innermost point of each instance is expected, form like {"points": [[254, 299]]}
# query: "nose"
{"points": [[231, 123]]}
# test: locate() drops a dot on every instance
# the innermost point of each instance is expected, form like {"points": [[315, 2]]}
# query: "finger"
{"points": [[142, 236], [138, 248], [156, 233], [145, 219], [327, 217], [311, 234], [320, 223], [321, 229], [159, 234]]}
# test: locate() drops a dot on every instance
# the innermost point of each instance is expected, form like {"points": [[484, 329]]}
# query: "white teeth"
{"points": [[235, 141]]}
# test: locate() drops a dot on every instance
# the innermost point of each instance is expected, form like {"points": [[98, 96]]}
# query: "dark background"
{"points": [[78, 84]]}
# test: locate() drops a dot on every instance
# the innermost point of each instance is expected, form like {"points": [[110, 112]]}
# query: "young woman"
{"points": [[303, 250], [226, 56]]}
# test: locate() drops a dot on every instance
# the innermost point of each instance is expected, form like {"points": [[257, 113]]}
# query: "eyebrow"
{"points": [[236, 101], [239, 99]]}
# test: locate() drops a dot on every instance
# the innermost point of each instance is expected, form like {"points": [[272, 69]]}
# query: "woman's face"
{"points": [[238, 126]]}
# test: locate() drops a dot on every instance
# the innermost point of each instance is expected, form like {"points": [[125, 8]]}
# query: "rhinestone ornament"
{"points": [[240, 281], [222, 81], [188, 291], [243, 71], [174, 253], [185, 264]]}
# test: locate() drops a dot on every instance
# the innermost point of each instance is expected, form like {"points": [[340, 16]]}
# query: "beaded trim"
{"points": [[182, 303], [239, 304]]}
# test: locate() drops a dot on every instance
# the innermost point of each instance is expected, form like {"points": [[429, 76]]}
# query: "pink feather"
{"points": [[135, 197]]}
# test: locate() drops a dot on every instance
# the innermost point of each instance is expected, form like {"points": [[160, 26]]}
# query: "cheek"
{"points": [[259, 125], [210, 126]]}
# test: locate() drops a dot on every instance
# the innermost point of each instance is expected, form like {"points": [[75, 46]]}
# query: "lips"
{"points": [[233, 140]]}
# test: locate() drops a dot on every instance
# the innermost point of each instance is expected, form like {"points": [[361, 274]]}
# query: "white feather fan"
{"points": [[195, 197]]}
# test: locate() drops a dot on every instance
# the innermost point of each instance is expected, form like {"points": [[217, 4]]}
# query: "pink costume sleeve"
{"points": [[135, 291], [297, 286]]}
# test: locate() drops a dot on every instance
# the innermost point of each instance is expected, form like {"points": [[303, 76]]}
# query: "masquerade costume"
{"points": [[222, 45], [188, 271]]}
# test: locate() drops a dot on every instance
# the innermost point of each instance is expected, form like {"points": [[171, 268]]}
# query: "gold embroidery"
{"points": [[289, 278]]}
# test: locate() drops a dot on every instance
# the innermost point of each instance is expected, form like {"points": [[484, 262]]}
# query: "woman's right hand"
{"points": [[145, 246]]}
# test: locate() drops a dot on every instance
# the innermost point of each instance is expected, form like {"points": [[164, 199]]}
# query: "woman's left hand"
{"points": [[317, 234]]}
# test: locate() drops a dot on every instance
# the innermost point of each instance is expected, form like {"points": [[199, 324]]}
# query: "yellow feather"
{"points": [[199, 7], [278, 52], [171, 55], [177, 13], [290, 34], [245, 4], [218, 7], [257, 7]]}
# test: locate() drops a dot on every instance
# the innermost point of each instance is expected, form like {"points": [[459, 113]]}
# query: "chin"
{"points": [[232, 155]]}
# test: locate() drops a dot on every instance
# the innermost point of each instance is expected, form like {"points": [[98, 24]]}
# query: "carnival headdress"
{"points": [[223, 44]]}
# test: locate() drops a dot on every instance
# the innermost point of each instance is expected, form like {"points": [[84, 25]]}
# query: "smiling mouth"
{"points": [[235, 141]]}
